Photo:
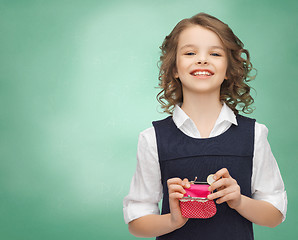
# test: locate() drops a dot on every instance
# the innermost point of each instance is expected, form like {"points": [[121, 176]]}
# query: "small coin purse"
{"points": [[195, 203]]}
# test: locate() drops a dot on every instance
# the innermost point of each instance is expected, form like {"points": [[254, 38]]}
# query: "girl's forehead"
{"points": [[198, 36]]}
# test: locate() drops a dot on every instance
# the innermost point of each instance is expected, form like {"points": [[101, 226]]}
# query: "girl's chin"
{"points": [[202, 89]]}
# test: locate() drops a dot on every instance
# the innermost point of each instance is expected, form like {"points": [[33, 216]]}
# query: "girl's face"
{"points": [[201, 60]]}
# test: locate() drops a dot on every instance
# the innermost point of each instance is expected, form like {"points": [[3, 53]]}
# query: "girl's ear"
{"points": [[175, 73], [226, 76]]}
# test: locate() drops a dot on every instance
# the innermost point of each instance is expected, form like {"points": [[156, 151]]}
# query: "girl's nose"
{"points": [[202, 58], [202, 62]]}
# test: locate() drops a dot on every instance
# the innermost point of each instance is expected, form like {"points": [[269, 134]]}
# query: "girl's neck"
{"points": [[202, 108]]}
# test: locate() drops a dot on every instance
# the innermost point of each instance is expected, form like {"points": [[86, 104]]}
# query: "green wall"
{"points": [[77, 86]]}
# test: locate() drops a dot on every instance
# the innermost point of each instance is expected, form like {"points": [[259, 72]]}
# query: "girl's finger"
{"points": [[176, 195], [220, 193], [221, 183], [224, 173], [174, 181], [227, 198], [176, 188], [185, 183]]}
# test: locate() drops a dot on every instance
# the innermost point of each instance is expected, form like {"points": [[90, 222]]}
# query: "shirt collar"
{"points": [[226, 114]]}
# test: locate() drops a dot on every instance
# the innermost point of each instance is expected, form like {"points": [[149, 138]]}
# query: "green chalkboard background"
{"points": [[77, 85]]}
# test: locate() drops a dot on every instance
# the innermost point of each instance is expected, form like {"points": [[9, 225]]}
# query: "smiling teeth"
{"points": [[202, 73]]}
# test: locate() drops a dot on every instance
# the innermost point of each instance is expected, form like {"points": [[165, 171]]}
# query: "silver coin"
{"points": [[210, 179]]}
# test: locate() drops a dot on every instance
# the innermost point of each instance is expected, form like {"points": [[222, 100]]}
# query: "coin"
{"points": [[210, 179]]}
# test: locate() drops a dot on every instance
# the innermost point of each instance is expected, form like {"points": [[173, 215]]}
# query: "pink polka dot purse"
{"points": [[195, 204]]}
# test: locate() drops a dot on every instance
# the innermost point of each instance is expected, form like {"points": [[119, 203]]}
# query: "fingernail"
{"points": [[188, 185]]}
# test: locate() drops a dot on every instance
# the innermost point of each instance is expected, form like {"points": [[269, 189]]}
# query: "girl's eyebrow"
{"points": [[187, 45], [219, 47], [194, 46]]}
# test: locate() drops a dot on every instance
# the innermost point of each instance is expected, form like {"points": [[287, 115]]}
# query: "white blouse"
{"points": [[146, 188]]}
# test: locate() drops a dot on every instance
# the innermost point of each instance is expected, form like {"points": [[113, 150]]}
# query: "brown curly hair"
{"points": [[235, 91]]}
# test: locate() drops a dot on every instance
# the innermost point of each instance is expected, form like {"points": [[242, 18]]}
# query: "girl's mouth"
{"points": [[202, 72]]}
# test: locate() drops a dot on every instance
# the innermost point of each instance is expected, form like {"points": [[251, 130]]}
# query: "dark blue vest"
{"points": [[186, 157]]}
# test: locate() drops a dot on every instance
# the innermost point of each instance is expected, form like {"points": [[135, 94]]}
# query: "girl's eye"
{"points": [[190, 53], [215, 54]]}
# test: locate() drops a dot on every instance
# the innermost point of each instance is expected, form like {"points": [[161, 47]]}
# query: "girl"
{"points": [[203, 77]]}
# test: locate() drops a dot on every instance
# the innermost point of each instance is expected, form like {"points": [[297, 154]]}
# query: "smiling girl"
{"points": [[203, 77]]}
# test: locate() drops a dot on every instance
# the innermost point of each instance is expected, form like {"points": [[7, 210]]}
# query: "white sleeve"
{"points": [[145, 188], [267, 183]]}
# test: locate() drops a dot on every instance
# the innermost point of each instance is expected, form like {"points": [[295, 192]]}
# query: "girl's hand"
{"points": [[227, 187], [176, 191]]}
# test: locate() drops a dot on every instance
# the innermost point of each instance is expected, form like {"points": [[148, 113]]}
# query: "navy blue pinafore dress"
{"points": [[186, 157]]}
